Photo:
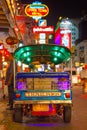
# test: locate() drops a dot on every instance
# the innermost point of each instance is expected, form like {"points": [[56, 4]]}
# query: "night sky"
{"points": [[64, 8]]}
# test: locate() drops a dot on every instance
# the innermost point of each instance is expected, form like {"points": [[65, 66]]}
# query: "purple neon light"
{"points": [[21, 86], [57, 39], [63, 85]]}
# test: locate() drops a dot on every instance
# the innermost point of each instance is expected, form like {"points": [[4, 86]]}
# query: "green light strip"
{"points": [[56, 54]]}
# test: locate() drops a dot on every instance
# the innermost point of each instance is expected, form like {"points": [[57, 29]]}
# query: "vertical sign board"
{"points": [[65, 33], [66, 39], [42, 36]]}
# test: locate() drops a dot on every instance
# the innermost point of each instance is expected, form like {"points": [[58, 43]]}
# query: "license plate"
{"points": [[40, 107]]}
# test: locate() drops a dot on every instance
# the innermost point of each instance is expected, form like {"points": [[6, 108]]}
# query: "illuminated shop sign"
{"points": [[36, 10], [65, 23], [42, 36], [65, 33], [47, 29], [66, 40], [42, 22]]}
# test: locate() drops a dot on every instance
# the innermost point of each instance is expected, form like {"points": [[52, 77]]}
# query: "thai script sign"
{"points": [[36, 10], [46, 29]]}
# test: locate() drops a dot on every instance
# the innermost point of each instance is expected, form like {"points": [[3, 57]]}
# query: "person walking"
{"points": [[9, 81]]}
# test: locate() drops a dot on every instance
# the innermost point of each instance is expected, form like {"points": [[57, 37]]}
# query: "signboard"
{"points": [[36, 10], [66, 40], [65, 33], [12, 40], [44, 29], [42, 22]]}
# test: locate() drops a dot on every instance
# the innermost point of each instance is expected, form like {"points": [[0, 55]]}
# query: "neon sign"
{"points": [[66, 39], [46, 29], [36, 10]]}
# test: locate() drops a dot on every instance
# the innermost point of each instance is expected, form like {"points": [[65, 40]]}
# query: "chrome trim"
{"points": [[42, 102]]}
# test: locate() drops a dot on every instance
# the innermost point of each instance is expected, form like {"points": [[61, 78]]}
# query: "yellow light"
{"points": [[3, 58]]}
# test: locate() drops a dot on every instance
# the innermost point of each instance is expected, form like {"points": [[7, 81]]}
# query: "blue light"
{"points": [[37, 2]]}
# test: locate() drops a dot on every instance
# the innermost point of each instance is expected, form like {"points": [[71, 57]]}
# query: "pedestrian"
{"points": [[9, 81]]}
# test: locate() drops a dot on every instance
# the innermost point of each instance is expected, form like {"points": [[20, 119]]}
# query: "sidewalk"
{"points": [[3, 127], [3, 106]]}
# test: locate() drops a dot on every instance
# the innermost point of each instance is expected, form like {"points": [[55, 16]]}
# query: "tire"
{"points": [[17, 115], [67, 114]]}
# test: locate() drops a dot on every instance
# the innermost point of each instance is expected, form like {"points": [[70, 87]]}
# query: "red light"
{"points": [[6, 53], [18, 95], [67, 95], [78, 76]]}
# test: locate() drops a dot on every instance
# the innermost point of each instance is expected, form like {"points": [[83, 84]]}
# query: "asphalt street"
{"points": [[78, 121]]}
